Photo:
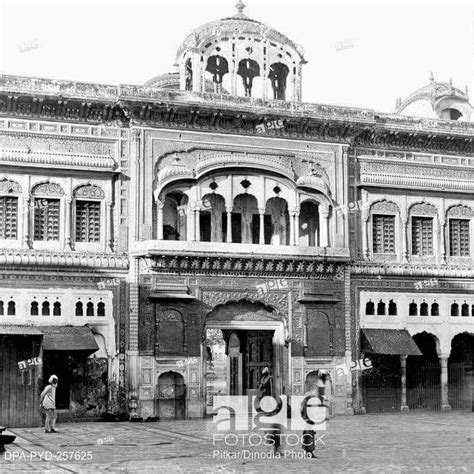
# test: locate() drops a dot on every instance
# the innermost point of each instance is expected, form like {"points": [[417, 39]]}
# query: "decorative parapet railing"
{"points": [[376, 270], [39, 258], [18, 84], [24, 157]]}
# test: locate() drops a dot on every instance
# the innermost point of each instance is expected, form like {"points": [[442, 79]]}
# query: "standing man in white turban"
{"points": [[48, 402]]}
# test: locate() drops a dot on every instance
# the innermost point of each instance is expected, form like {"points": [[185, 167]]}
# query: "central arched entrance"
{"points": [[241, 338]]}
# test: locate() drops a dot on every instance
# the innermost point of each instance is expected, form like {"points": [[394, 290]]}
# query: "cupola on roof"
{"points": [[242, 56], [437, 100]]}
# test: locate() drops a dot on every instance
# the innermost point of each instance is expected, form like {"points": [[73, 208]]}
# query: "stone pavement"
{"points": [[408, 442]]}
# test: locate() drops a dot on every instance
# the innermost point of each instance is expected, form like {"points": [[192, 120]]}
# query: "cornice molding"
{"points": [[125, 106], [48, 159], [38, 258], [379, 270]]}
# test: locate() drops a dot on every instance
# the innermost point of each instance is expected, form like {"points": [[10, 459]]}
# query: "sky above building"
{"points": [[361, 54]]}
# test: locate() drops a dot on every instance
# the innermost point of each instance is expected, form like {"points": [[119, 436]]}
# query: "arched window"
{"points": [[454, 309], [88, 213], [392, 308], [79, 309], [412, 309], [381, 308], [2, 310], [56, 308], [435, 309], [45, 308], [309, 224], [472, 310], [11, 308], [101, 309], [34, 309], [8, 217], [370, 308], [465, 309], [424, 309], [90, 309]]}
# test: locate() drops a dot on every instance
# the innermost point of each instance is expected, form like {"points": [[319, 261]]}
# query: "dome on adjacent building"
{"points": [[243, 56], [437, 100]]}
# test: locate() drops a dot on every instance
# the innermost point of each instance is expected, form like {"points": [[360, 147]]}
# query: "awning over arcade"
{"points": [[388, 341], [69, 338]]}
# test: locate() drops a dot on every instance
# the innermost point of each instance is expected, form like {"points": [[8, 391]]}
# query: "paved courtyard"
{"points": [[409, 442]]}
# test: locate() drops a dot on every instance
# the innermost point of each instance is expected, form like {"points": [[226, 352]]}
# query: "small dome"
{"points": [[437, 100]]}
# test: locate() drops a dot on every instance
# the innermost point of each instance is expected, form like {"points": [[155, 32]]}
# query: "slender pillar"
{"points": [[67, 224], [442, 235], [190, 224], [297, 228], [403, 366], [109, 226], [229, 224], [443, 361], [261, 237], [324, 229], [26, 222], [159, 219], [405, 240], [292, 228], [197, 224]]}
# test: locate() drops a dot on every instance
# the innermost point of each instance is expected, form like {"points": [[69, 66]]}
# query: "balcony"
{"points": [[182, 248]]}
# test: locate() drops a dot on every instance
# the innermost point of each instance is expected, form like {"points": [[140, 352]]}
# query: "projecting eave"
{"points": [[132, 105]]}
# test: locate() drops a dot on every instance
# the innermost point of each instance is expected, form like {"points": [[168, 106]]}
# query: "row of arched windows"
{"points": [[45, 309], [466, 310], [90, 309], [8, 309], [424, 309], [381, 309]]}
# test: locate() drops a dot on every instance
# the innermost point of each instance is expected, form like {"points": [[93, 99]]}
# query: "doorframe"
{"points": [[278, 344]]}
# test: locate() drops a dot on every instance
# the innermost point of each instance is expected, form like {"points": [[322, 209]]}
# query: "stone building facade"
{"points": [[185, 234]]}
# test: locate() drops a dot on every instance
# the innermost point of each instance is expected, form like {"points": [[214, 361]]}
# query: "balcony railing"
{"points": [[182, 247]]}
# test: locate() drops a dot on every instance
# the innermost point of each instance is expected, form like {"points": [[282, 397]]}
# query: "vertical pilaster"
{"points": [[443, 361], [25, 213], [403, 367], [159, 219], [132, 352], [197, 224], [292, 228], [261, 237], [109, 226], [229, 224], [324, 228]]}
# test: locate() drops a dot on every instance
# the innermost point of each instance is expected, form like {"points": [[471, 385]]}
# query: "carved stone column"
{"points": [[229, 224], [26, 222], [197, 223], [261, 237], [159, 219], [324, 238], [403, 366], [109, 226], [443, 361], [31, 222], [292, 228], [405, 240], [67, 224], [297, 228], [442, 241]]}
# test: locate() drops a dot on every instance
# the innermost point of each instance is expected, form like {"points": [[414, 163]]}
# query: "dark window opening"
{"points": [[34, 310], [435, 309], [79, 309], [370, 308], [465, 310], [454, 309], [381, 308], [45, 308], [11, 308], [392, 308], [413, 309], [101, 309], [90, 309], [56, 308], [424, 309]]}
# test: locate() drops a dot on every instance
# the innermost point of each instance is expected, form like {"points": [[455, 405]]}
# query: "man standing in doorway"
{"points": [[48, 403]]}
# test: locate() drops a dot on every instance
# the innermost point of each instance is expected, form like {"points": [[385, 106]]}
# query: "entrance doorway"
{"points": [[235, 360]]}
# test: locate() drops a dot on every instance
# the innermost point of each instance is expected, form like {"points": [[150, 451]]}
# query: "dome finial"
{"points": [[432, 77], [240, 5]]}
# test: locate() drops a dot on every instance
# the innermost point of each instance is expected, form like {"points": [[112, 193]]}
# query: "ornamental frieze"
{"points": [[89, 191], [385, 206], [352, 126], [247, 267], [48, 189], [460, 211]]}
